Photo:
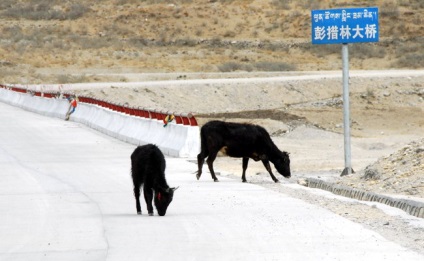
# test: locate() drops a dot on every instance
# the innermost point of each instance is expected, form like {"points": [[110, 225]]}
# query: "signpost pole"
{"points": [[346, 111], [344, 26]]}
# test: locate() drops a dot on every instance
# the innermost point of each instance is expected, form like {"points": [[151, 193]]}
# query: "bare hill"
{"points": [[78, 41]]}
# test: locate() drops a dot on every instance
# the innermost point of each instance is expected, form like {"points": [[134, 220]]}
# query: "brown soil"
{"points": [[87, 42]]}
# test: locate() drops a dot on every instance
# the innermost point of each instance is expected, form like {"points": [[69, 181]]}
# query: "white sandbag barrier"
{"points": [[180, 138]]}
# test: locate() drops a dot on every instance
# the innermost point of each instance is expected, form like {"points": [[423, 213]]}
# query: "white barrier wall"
{"points": [[174, 140]]}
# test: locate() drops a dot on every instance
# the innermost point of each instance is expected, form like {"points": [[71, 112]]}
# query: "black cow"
{"points": [[240, 140], [148, 168]]}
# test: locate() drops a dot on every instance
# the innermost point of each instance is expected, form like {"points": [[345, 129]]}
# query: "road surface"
{"points": [[66, 194]]}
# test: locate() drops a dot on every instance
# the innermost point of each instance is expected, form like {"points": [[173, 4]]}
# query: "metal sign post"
{"points": [[346, 110], [343, 26]]}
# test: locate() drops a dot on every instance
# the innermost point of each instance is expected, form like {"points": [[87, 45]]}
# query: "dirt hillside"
{"points": [[78, 41]]}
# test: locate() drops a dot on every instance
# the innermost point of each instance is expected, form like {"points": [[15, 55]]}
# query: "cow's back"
{"points": [[239, 139], [147, 162]]}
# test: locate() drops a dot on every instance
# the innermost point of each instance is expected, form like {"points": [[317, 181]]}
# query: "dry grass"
{"points": [[195, 35]]}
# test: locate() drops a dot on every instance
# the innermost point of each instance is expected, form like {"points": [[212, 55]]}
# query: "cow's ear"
{"points": [[171, 189]]}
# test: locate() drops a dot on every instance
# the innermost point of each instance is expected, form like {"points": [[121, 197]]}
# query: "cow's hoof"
{"points": [[139, 213], [244, 181], [198, 176], [150, 214], [276, 181], [216, 180]]}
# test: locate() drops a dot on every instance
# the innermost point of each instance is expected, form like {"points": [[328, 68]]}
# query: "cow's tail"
{"points": [[204, 151], [134, 174]]}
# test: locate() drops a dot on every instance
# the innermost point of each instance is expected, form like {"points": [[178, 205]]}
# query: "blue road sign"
{"points": [[348, 25]]}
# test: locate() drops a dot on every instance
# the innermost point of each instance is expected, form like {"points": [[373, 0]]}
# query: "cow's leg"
{"points": [[148, 197], [268, 168], [210, 160], [200, 161], [243, 176], [137, 198]]}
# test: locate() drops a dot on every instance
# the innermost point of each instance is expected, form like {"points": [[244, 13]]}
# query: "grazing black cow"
{"points": [[240, 140], [148, 168]]}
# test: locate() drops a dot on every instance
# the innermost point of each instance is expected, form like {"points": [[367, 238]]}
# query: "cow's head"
{"points": [[282, 164], [163, 198]]}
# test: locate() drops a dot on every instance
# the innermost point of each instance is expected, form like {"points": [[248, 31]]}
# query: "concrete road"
{"points": [[66, 194]]}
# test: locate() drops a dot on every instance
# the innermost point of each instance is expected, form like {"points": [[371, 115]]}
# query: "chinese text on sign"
{"points": [[349, 25]]}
